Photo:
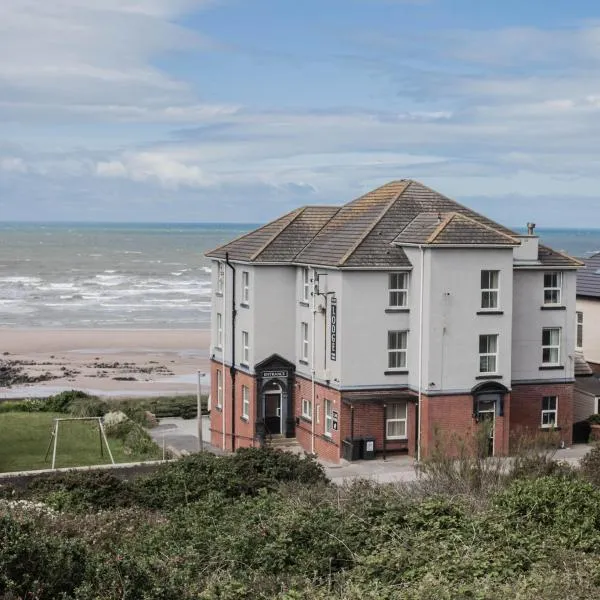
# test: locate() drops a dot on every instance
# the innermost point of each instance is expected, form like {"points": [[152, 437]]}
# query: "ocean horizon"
{"points": [[135, 274]]}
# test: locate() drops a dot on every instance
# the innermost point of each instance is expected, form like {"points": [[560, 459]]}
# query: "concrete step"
{"points": [[285, 444]]}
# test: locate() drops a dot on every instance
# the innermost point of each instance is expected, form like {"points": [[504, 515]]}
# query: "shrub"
{"points": [[589, 466], [88, 407], [28, 405], [61, 402], [594, 419]]}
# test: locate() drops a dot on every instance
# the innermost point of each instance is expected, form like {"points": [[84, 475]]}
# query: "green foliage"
{"points": [[590, 465], [594, 419], [88, 407]]}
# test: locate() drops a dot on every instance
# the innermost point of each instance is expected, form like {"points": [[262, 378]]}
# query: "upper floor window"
{"points": [[220, 277], [245, 348], [219, 388], [305, 284], [219, 330], [579, 330], [397, 348], [488, 353], [245, 287], [398, 290], [490, 286], [552, 287], [551, 346], [245, 401], [549, 411], [304, 341], [395, 421], [328, 417], [307, 408]]}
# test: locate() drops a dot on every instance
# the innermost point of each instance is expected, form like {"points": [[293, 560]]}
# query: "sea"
{"points": [[134, 275]]}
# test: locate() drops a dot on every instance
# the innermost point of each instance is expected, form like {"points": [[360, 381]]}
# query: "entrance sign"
{"points": [[274, 374], [333, 329]]}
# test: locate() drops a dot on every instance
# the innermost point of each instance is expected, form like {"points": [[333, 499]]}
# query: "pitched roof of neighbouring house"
{"points": [[588, 278], [362, 233]]}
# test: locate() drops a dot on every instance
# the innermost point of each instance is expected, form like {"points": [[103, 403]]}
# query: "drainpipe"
{"points": [[223, 377], [419, 407], [232, 368], [312, 370]]}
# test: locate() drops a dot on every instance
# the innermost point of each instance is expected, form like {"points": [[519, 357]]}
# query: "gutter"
{"points": [[419, 407], [232, 370]]}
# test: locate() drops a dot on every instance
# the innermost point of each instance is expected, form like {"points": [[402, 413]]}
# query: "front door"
{"points": [[273, 413], [487, 420]]}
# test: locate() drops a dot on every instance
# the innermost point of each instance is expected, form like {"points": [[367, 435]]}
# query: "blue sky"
{"points": [[231, 110]]}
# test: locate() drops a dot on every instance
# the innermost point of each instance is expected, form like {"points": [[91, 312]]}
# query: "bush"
{"points": [[594, 419], [589, 466], [29, 405], [88, 407], [62, 402]]}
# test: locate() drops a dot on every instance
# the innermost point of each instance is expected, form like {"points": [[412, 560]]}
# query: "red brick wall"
{"points": [[526, 408], [244, 429], [448, 420], [328, 449]]}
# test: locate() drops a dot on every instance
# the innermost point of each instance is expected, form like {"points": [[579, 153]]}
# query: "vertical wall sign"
{"points": [[333, 329]]}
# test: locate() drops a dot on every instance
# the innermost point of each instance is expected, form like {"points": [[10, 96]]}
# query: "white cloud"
{"points": [[13, 164]]}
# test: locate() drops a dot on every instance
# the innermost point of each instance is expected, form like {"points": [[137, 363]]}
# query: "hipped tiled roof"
{"points": [[588, 278], [362, 233]]}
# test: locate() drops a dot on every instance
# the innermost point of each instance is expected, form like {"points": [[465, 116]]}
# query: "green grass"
{"points": [[24, 439]]}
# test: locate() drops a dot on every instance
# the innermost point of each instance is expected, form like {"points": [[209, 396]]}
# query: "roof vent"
{"points": [[439, 218], [530, 228]]}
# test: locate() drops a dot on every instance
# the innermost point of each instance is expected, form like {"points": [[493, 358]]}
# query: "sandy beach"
{"points": [[125, 362]]}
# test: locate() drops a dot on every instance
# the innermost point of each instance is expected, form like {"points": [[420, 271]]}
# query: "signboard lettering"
{"points": [[333, 329], [275, 374]]}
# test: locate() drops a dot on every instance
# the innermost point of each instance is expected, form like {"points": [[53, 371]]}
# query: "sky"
{"points": [[241, 110]]}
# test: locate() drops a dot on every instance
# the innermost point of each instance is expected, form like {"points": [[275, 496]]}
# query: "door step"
{"points": [[286, 444]]}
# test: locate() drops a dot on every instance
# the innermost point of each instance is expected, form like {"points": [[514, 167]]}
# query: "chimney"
{"points": [[530, 228]]}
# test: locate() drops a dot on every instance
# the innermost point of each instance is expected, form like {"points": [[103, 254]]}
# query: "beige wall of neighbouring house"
{"points": [[591, 328], [584, 405]]}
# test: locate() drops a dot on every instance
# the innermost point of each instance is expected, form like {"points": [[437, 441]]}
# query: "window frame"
{"points": [[553, 288], [307, 409], [488, 354], [549, 411], [399, 291], [395, 419], [245, 348], [219, 331], [220, 277], [245, 287], [401, 353], [579, 330], [491, 292], [305, 284], [245, 402], [304, 341], [219, 388], [551, 347], [328, 427]]}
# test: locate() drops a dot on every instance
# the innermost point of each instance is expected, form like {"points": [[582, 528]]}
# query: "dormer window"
{"points": [[553, 288]]}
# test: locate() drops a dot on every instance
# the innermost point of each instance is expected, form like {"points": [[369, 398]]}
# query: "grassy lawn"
{"points": [[24, 439]]}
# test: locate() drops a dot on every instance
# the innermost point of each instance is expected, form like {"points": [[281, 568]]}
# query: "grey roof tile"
{"points": [[588, 278]]}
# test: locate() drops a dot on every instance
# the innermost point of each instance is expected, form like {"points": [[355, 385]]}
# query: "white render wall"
{"points": [[591, 328], [528, 321]]}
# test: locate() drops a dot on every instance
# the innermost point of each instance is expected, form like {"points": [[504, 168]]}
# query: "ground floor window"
{"points": [[395, 421], [549, 410], [328, 417], [245, 401], [219, 389], [307, 408]]}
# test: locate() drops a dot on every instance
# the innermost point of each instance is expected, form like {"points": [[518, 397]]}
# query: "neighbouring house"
{"points": [[587, 366], [399, 317]]}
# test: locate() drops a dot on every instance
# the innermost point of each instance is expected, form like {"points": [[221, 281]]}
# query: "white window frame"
{"points": [[579, 331], [219, 331], [220, 277], [245, 401], [245, 347], [397, 355], [304, 342], [398, 290], [219, 388], [546, 412], [488, 353], [489, 290], [553, 289], [328, 418], [245, 287], [390, 420], [551, 347], [305, 284], [307, 409]]}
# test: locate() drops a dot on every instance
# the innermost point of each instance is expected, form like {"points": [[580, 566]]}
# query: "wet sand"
{"points": [[105, 362]]}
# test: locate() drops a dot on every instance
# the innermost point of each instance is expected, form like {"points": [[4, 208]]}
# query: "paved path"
{"points": [[182, 434]]}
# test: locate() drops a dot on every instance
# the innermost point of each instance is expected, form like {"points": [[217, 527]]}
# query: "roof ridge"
{"points": [[362, 238], [441, 226], [309, 242], [248, 233], [298, 211]]}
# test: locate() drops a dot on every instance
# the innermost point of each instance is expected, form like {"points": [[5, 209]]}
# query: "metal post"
{"points": [[200, 438], [112, 460], [55, 442]]}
